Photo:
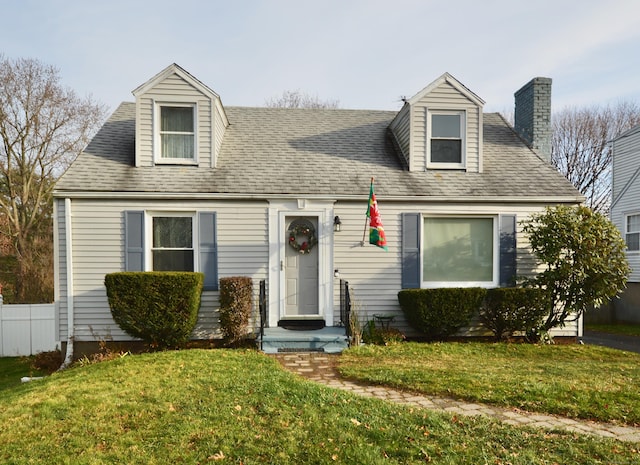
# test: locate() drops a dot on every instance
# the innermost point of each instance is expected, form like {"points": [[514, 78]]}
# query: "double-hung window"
{"points": [[632, 232], [172, 241], [172, 244], [176, 133], [446, 139], [460, 251]]}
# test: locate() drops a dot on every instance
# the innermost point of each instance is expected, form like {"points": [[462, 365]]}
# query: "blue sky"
{"points": [[364, 53]]}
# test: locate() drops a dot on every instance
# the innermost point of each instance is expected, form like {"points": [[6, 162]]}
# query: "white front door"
{"points": [[301, 269]]}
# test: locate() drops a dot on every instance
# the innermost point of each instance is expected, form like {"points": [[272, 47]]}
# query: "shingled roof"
{"points": [[315, 152]]}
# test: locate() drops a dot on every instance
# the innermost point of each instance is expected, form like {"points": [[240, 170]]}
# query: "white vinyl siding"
{"points": [[447, 98], [243, 250], [173, 91], [376, 276], [98, 249], [401, 129], [626, 190], [411, 130]]}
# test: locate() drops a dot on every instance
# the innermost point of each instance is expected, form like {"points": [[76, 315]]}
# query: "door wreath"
{"points": [[306, 230]]}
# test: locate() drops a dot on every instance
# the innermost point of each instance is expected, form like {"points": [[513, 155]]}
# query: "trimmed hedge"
{"points": [[236, 303], [439, 313], [511, 309], [161, 308]]}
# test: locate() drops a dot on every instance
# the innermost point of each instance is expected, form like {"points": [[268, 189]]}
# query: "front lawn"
{"points": [[12, 369], [577, 381], [625, 329], [220, 406]]}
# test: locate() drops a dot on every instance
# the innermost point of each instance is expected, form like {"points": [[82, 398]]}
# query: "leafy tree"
{"points": [[43, 127], [580, 147], [584, 260], [297, 99]]}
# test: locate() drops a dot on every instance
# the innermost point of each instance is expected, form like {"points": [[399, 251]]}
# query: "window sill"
{"points": [[446, 166], [176, 161]]}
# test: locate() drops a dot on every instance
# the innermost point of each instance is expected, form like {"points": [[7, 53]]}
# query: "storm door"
{"points": [[301, 267]]}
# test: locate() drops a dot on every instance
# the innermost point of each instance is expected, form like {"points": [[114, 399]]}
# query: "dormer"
{"points": [[440, 128], [179, 121]]}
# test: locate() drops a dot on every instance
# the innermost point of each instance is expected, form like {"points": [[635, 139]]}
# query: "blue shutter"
{"points": [[508, 266], [208, 249], [134, 240], [410, 250]]}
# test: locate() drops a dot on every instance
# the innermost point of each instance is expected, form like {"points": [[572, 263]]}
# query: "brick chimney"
{"points": [[533, 115]]}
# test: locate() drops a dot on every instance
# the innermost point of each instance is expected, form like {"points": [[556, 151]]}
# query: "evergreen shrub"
{"points": [[161, 308], [439, 313], [511, 309]]}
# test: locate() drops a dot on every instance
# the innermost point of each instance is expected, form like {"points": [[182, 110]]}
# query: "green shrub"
{"points": [[161, 308], [236, 303], [439, 313], [510, 309]]}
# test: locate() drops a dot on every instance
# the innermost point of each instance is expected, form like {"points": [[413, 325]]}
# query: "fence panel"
{"points": [[27, 329]]}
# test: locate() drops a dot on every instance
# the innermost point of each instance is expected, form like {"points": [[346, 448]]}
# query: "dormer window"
{"points": [[446, 139], [176, 133]]}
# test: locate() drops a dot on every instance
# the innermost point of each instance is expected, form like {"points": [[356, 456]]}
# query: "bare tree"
{"points": [[297, 99], [43, 127], [580, 147]]}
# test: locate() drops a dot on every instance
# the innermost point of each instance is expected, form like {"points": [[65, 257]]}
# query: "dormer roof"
{"points": [[168, 71], [188, 77], [449, 79]]}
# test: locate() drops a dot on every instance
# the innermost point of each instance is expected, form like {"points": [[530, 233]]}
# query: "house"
{"points": [[625, 214], [237, 183]]}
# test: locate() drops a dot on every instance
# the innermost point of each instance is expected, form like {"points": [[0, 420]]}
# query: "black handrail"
{"points": [[345, 306], [262, 307]]}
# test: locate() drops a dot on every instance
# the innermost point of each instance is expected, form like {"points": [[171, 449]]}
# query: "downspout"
{"points": [[69, 273]]}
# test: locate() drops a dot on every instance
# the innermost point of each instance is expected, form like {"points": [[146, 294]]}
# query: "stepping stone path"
{"points": [[321, 368]]}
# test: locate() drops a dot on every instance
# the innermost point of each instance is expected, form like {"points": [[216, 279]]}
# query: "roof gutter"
{"points": [[355, 198]]}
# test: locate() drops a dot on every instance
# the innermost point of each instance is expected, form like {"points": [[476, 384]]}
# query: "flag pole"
{"points": [[366, 218]]}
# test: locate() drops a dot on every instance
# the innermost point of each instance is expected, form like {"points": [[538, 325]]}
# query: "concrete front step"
{"points": [[328, 339]]}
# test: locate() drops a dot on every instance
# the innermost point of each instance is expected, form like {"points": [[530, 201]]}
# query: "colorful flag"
{"points": [[376, 231]]}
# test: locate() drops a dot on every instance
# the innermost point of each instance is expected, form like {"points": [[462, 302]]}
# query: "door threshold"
{"points": [[302, 324]]}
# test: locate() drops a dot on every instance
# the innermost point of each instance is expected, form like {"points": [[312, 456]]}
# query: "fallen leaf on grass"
{"points": [[216, 457]]}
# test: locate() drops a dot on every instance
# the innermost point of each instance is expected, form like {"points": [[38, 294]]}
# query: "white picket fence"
{"points": [[27, 329]]}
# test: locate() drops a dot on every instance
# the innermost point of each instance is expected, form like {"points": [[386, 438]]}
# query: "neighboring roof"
{"points": [[627, 133], [316, 152]]}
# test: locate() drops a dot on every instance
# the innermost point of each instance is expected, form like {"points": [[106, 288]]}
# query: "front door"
{"points": [[301, 267]]}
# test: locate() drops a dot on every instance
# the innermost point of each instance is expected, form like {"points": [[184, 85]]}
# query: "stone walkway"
{"points": [[320, 367]]}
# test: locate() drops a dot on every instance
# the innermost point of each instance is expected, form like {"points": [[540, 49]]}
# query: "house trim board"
{"points": [[317, 197]]}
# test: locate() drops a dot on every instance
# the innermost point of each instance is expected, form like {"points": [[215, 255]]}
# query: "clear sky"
{"points": [[363, 53]]}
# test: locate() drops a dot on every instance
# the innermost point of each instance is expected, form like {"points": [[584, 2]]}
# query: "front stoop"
{"points": [[330, 340]]}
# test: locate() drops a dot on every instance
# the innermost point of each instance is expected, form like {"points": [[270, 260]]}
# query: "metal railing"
{"points": [[345, 306], [262, 307]]}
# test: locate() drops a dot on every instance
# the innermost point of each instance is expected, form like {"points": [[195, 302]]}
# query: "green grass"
{"points": [[12, 369], [625, 329], [220, 406], [588, 382]]}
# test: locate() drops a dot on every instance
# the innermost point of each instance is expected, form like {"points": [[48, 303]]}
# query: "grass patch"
{"points": [[625, 329], [223, 406], [577, 381], [12, 369]]}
